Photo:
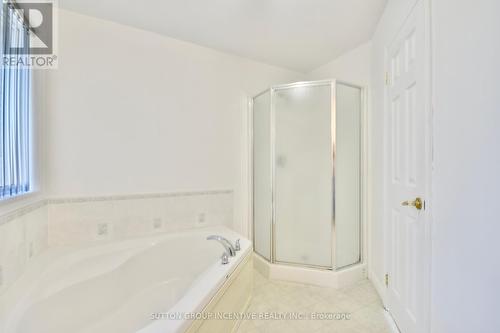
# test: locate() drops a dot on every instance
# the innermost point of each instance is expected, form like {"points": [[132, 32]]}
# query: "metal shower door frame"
{"points": [[333, 84]]}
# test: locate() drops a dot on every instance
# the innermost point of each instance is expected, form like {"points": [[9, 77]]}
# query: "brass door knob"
{"points": [[418, 203]]}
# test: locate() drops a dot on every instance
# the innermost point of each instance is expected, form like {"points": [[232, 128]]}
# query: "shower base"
{"points": [[324, 278]]}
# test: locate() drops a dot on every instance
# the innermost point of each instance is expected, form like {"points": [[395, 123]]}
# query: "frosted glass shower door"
{"points": [[262, 186], [303, 174]]}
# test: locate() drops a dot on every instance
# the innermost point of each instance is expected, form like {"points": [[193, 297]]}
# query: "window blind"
{"points": [[15, 106]]}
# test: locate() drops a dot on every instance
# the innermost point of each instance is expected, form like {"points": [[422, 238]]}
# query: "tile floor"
{"points": [[360, 301]]}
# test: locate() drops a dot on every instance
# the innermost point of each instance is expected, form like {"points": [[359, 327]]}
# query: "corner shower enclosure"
{"points": [[307, 158]]}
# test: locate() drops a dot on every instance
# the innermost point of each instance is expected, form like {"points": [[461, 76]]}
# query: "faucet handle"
{"points": [[225, 258], [237, 245]]}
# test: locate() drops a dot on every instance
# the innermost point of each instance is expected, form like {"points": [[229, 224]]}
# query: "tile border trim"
{"points": [[19, 212], [56, 201]]}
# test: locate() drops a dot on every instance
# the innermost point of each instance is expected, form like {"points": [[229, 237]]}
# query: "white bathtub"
{"points": [[117, 286]]}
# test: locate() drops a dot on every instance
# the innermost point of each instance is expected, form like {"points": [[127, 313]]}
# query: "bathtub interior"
{"points": [[113, 287]]}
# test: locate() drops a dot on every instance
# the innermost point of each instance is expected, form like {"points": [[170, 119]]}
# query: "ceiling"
{"points": [[297, 34]]}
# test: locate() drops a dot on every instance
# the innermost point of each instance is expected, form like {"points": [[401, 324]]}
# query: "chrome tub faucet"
{"points": [[230, 249]]}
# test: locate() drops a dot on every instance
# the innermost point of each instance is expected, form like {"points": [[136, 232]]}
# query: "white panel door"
{"points": [[407, 167]]}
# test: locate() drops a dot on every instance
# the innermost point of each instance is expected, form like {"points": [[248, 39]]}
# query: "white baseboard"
{"points": [[391, 323], [378, 284]]}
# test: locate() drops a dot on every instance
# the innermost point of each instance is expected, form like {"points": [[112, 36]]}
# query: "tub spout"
{"points": [[224, 242]]}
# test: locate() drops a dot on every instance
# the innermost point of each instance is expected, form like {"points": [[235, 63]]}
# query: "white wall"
{"points": [[466, 251], [131, 111], [352, 67]]}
